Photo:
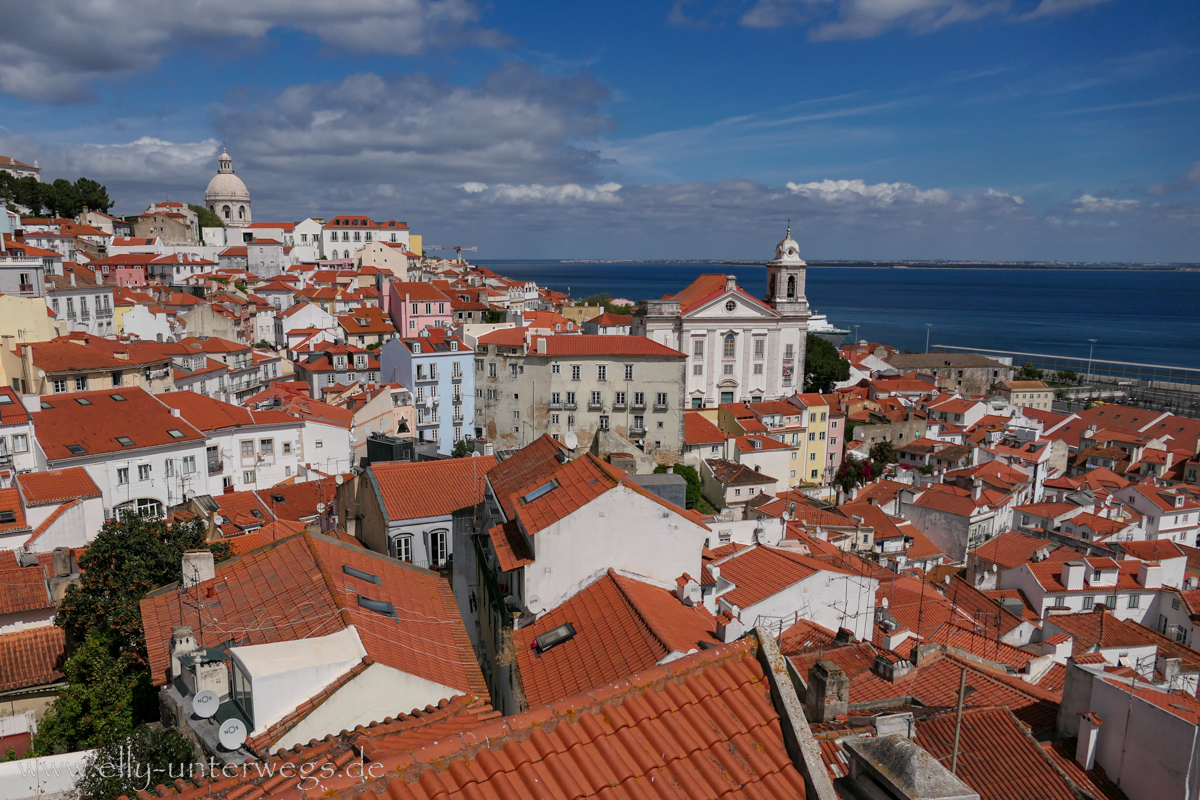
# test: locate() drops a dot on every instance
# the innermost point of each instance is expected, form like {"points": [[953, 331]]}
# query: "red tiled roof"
{"points": [[996, 756], [706, 287], [512, 550], [210, 414], [430, 488], [298, 585], [10, 500], [622, 626], [56, 486], [1014, 548], [597, 345], [96, 426], [32, 657], [24, 589], [698, 430], [760, 572], [531, 463]]}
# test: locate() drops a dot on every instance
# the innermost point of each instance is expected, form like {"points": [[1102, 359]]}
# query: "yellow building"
{"points": [[815, 442], [1026, 394], [23, 320], [414, 243]]}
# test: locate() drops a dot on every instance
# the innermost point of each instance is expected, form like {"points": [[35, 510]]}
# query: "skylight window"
{"points": [[378, 606], [76, 449], [278, 498], [175, 433], [361, 575], [83, 401], [125, 441], [540, 491], [254, 512], [7, 516], [554, 637], [46, 405], [120, 398], [5, 399]]}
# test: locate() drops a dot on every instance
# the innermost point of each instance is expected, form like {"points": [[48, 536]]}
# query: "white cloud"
{"points": [[564, 194], [863, 19], [877, 194], [52, 49], [1089, 204]]}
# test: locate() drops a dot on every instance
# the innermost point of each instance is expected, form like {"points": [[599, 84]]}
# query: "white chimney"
{"points": [[1072, 575], [730, 282], [198, 566], [1150, 575], [1089, 737], [182, 643]]}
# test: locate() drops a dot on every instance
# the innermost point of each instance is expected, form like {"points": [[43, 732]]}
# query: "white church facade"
{"points": [[739, 348]]}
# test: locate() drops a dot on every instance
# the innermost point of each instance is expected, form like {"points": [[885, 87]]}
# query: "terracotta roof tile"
{"points": [[10, 500], [32, 657], [622, 626], [96, 425], [299, 585], [430, 488], [698, 430], [760, 572], [531, 463], [24, 589]]}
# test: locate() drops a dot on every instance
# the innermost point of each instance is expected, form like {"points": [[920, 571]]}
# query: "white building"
{"points": [[64, 508], [81, 303], [1169, 513], [739, 348], [17, 445], [141, 454]]}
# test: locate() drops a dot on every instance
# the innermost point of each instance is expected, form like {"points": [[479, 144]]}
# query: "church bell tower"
{"points": [[785, 278]]}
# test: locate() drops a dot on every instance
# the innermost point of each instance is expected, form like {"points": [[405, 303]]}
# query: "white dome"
{"points": [[788, 251], [226, 186]]}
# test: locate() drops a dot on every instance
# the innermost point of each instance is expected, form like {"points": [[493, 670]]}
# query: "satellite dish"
{"points": [[205, 703], [41, 373], [946, 580], [884, 602], [190, 494], [339, 480], [571, 440], [785, 516], [232, 734], [474, 454], [320, 508]]}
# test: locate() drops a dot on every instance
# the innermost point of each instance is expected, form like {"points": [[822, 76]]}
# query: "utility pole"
{"points": [[928, 327], [962, 690], [1091, 348]]}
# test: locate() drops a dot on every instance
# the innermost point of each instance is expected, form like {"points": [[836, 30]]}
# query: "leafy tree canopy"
{"points": [[107, 694], [158, 756], [58, 199], [462, 449], [883, 453], [823, 366], [206, 218], [131, 556], [1029, 373]]}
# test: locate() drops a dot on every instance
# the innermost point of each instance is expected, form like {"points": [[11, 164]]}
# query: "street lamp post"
{"points": [[1091, 348], [928, 328]]}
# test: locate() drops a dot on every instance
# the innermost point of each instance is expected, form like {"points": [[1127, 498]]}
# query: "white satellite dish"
{"points": [[571, 440], [884, 602], [339, 480], [232, 734], [190, 494], [205, 703], [320, 508]]}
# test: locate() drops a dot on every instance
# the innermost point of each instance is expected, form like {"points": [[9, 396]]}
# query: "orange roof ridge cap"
{"points": [[618, 579]]}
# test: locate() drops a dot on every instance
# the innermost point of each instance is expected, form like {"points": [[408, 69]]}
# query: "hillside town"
{"points": [[459, 535]]}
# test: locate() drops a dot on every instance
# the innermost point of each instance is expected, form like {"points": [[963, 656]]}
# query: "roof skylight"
{"points": [[540, 491], [125, 441]]}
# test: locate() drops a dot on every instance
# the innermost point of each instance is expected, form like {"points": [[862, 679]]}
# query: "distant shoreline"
{"points": [[960, 265]]}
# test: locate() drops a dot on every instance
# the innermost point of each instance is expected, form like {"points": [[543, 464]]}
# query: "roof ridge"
{"points": [[633, 606]]}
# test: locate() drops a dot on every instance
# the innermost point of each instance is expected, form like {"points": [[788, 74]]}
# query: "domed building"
{"points": [[227, 196]]}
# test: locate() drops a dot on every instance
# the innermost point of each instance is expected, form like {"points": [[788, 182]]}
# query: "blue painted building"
{"points": [[437, 367]]}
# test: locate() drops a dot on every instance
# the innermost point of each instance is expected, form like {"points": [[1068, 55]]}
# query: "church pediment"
{"points": [[732, 305]]}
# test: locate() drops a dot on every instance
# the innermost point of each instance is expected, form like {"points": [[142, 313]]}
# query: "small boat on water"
{"points": [[819, 325]]}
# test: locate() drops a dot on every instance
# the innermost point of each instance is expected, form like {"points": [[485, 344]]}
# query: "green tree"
{"points": [[493, 315], [695, 488], [462, 449], [92, 194], [107, 694], [823, 366], [157, 756], [206, 218], [883, 453], [1068, 376], [131, 555], [1029, 373], [854, 472], [60, 198]]}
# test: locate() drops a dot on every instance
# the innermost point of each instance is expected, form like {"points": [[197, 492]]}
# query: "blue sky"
{"points": [[971, 129]]}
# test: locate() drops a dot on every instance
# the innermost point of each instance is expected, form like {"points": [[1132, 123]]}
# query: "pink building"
{"points": [[416, 306], [127, 276]]}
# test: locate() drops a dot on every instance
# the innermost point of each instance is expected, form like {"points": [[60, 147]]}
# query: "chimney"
{"points": [[62, 562], [729, 627], [182, 643], [541, 345], [72, 277], [730, 282], [198, 566], [687, 590], [828, 692], [976, 488], [1089, 737], [1072, 575], [1150, 575]]}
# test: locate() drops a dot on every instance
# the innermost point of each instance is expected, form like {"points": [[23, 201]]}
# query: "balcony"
{"points": [[554, 406], [619, 406], [639, 432], [214, 467], [570, 406], [660, 406], [638, 406], [26, 288], [595, 406]]}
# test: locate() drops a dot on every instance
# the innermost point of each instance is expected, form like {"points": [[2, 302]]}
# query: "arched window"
{"points": [[241, 212], [226, 211], [791, 290], [730, 343], [402, 548]]}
